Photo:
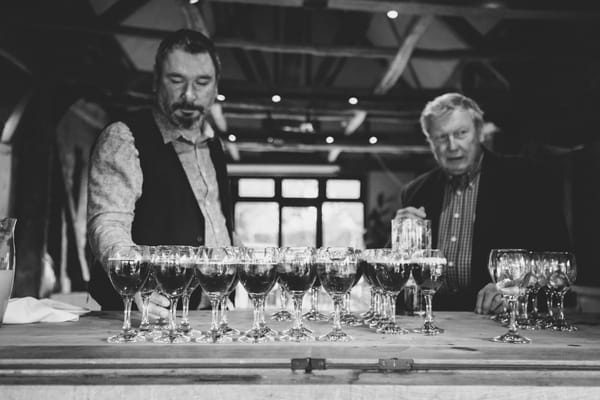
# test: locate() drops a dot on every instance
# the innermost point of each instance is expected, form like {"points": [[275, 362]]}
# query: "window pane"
{"points": [[299, 226], [257, 223], [343, 224], [256, 187], [343, 189], [304, 188]]}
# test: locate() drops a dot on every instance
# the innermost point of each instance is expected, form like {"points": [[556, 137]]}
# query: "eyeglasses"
{"points": [[444, 139]]}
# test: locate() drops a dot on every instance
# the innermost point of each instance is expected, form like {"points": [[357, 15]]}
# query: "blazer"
{"points": [[516, 207]]}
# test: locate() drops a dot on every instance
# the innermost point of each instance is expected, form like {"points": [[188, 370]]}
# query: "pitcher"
{"points": [[7, 261]]}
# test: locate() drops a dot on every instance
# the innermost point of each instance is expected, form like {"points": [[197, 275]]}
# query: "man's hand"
{"points": [[413, 212], [158, 306], [489, 300]]}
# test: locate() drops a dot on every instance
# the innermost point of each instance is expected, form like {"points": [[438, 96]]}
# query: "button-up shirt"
{"points": [[455, 236], [115, 183]]}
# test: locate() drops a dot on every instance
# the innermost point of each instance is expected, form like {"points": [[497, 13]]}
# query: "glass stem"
{"points": [[145, 324], [314, 299], [393, 297], [346, 309], [256, 311], [214, 305], [512, 325], [224, 310], [297, 298], [428, 307], [186, 309], [262, 313], [172, 310], [561, 305], [549, 296], [127, 301], [337, 309], [372, 304], [534, 302]]}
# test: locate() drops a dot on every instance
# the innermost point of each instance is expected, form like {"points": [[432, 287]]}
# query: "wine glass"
{"points": [[378, 317], [283, 314], [184, 324], [337, 268], [508, 268], [560, 280], [392, 271], [258, 274], [363, 265], [297, 273], [238, 253], [146, 329], [128, 270], [173, 270], [429, 271], [347, 317], [216, 271], [314, 314]]}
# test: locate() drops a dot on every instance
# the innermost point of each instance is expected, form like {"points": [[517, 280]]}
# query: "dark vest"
{"points": [[167, 212]]}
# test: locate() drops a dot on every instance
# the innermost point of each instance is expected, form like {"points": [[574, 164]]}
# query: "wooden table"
{"points": [[73, 361]]}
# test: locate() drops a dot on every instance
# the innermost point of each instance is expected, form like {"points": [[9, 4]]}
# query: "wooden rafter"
{"points": [[192, 16], [411, 7], [416, 29], [261, 147], [120, 10]]}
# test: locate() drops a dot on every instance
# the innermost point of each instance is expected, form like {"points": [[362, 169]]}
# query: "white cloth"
{"points": [[27, 310]]}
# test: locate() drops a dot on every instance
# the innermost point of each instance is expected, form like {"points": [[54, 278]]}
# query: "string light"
{"points": [[353, 100], [373, 139], [329, 139], [392, 14], [220, 97], [276, 98], [232, 138]]}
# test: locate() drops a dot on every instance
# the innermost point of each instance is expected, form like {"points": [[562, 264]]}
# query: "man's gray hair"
{"points": [[447, 103]]}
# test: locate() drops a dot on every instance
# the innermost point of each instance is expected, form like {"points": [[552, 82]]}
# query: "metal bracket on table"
{"points": [[308, 364], [395, 364]]}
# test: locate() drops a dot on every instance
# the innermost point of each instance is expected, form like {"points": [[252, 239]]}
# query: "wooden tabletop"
{"points": [[76, 354]]}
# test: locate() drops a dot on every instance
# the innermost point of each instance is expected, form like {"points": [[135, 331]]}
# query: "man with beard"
{"points": [[158, 177]]}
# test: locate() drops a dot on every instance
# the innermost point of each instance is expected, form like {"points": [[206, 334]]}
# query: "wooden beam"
{"points": [[355, 122], [334, 154], [216, 111], [261, 147], [12, 123], [121, 10], [233, 151], [416, 29], [192, 16], [411, 7]]}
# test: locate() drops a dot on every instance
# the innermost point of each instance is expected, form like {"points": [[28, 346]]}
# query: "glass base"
{"points": [[429, 329], [390, 328], [130, 336], [301, 334], [315, 315], [336, 335], [184, 327], [282, 315], [168, 337], [511, 338], [256, 336], [366, 316], [149, 334], [215, 336], [350, 320], [378, 321], [228, 331], [268, 331], [564, 326]]}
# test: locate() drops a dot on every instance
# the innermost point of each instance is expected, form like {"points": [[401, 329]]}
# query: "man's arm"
{"points": [[115, 184]]}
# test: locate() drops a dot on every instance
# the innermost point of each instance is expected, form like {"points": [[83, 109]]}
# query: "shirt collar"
{"points": [[461, 181], [171, 133]]}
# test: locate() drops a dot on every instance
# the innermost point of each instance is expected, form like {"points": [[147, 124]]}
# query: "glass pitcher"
{"points": [[7, 261]]}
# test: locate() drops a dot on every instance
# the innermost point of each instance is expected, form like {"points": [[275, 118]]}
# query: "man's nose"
{"points": [[452, 143], [188, 93]]}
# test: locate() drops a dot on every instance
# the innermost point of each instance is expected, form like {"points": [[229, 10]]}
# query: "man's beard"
{"points": [[184, 120]]}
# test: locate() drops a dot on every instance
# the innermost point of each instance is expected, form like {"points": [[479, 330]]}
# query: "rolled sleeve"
{"points": [[114, 186]]}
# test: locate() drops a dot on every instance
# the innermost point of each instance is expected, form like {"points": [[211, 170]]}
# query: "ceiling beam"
{"points": [[121, 10], [411, 7], [262, 147], [416, 29], [192, 17]]}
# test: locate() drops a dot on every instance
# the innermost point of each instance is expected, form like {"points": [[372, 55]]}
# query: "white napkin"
{"points": [[27, 310]]}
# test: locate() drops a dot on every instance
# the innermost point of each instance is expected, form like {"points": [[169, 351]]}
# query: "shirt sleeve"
{"points": [[114, 186]]}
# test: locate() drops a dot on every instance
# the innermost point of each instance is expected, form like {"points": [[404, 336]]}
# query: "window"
{"points": [[299, 212]]}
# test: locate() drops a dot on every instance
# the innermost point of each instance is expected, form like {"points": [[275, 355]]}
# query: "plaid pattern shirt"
{"points": [[455, 236]]}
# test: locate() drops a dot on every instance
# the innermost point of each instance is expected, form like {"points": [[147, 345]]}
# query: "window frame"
{"points": [[298, 201]]}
